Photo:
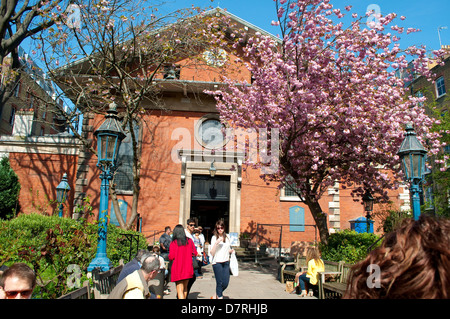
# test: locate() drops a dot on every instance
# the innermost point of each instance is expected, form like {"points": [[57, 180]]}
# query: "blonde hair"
{"points": [[313, 253]]}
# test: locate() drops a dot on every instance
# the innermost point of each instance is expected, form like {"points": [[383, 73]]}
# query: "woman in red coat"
{"points": [[181, 251]]}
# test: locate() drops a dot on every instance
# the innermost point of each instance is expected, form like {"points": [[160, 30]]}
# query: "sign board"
{"points": [[234, 237], [297, 218]]}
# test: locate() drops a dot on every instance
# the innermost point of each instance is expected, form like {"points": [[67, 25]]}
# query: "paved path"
{"points": [[254, 282]]}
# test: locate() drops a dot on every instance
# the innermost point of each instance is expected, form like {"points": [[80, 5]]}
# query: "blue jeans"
{"points": [[302, 280], [198, 271], [222, 275]]}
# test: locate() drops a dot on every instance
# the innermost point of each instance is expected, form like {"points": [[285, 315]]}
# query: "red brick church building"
{"points": [[177, 153]]}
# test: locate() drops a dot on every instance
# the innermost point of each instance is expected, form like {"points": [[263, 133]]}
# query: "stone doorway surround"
{"points": [[199, 162]]}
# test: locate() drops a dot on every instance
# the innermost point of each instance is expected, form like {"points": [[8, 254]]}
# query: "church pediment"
{"points": [[192, 63]]}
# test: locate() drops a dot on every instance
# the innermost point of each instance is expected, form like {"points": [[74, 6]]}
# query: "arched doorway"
{"points": [[195, 165], [210, 201]]}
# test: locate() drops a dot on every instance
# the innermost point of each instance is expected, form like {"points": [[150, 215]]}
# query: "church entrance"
{"points": [[210, 201]]}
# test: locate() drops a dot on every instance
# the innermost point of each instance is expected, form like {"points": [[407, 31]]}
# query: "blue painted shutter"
{"points": [[297, 217]]}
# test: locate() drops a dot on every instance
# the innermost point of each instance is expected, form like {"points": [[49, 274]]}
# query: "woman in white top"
{"points": [[220, 251]]}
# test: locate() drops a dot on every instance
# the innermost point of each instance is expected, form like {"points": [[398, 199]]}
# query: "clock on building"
{"points": [[215, 57]]}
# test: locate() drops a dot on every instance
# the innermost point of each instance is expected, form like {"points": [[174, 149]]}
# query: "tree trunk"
{"points": [[320, 219], [115, 203], [6, 90], [134, 205]]}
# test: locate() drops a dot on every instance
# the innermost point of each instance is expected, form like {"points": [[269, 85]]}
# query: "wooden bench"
{"points": [[335, 288], [299, 265], [80, 293], [104, 282]]}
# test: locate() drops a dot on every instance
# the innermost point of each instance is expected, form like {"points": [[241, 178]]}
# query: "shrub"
{"points": [[348, 245], [9, 189], [390, 216], [394, 218], [49, 244]]}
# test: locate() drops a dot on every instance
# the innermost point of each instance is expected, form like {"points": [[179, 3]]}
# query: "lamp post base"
{"points": [[101, 262]]}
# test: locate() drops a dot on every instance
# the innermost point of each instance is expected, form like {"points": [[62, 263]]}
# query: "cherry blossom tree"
{"points": [[328, 89]]}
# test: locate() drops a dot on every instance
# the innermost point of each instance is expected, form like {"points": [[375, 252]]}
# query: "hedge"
{"points": [[348, 245], [49, 244]]}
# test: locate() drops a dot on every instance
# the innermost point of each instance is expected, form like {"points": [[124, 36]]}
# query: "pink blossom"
{"points": [[332, 93]]}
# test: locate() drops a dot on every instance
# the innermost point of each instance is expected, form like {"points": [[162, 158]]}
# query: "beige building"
{"points": [[437, 103], [30, 109]]}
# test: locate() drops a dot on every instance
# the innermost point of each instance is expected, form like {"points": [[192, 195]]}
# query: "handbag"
{"points": [[290, 286], [205, 259], [234, 267], [194, 258], [194, 262]]}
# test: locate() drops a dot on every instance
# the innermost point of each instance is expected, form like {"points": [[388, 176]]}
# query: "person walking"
{"points": [[189, 231], [220, 258], [202, 243], [199, 247], [181, 252], [164, 242], [201, 236]]}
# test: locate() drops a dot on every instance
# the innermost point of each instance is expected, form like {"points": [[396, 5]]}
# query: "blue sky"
{"points": [[427, 15]]}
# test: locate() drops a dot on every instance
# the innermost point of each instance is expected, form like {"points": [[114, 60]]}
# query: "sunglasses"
{"points": [[14, 293], [219, 227], [191, 225]]}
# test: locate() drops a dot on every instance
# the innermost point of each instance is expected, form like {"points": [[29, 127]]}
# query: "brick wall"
{"points": [[159, 202], [39, 175]]}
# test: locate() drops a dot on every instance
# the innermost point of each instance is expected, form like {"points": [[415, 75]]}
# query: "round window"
{"points": [[209, 133]]}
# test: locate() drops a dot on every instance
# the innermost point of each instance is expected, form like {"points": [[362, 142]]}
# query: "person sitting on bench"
{"points": [[310, 277]]}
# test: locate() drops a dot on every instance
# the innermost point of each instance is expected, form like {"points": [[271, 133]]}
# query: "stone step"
{"points": [[249, 255], [252, 258]]}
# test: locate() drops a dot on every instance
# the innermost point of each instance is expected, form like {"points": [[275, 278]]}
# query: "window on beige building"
{"points": [[440, 87]]}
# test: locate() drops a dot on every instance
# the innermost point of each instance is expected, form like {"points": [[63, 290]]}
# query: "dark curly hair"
{"points": [[414, 263]]}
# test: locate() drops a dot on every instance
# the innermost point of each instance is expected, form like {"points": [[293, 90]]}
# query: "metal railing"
{"points": [[260, 226]]}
